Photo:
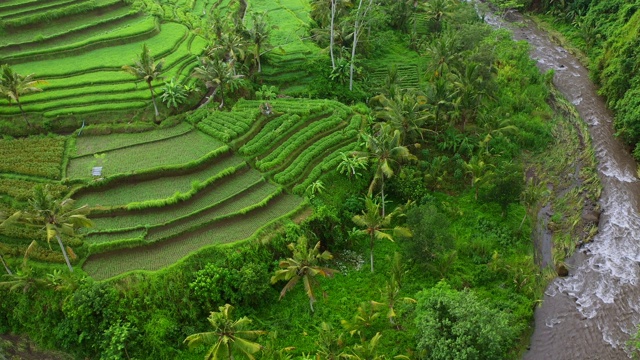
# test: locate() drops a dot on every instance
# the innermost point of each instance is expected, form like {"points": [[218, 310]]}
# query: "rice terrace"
{"points": [[310, 178]]}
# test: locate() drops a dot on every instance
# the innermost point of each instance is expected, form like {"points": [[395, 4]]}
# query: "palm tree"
{"points": [[391, 292], [24, 279], [59, 217], [14, 85], [145, 68], [259, 35], [438, 10], [217, 75], [480, 172], [228, 337], [365, 350], [303, 266], [470, 91], [363, 320], [230, 47], [444, 52], [385, 148], [3, 249], [391, 296], [401, 12], [350, 165], [376, 225], [405, 112]]}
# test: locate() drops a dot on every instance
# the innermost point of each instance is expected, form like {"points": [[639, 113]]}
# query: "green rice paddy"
{"points": [[157, 256], [207, 197], [80, 49], [157, 188], [88, 145], [173, 151], [164, 188]]}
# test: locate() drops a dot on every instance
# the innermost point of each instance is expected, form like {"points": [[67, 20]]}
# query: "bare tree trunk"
{"points": [[353, 52], [333, 16], [6, 267], [64, 252], [242, 10], [357, 28], [311, 304]]}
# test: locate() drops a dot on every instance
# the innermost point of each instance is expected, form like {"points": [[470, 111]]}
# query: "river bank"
{"points": [[590, 313]]}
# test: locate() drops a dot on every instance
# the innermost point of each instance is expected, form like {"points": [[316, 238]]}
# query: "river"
{"points": [[591, 313]]}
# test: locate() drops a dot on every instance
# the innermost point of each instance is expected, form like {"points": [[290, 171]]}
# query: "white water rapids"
{"points": [[591, 313]]}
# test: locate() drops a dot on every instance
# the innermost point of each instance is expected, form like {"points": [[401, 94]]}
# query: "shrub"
{"points": [[456, 325], [236, 282], [431, 234]]}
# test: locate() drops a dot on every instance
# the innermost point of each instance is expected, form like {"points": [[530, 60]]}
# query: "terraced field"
{"points": [[163, 194], [167, 193], [156, 256], [79, 46], [175, 151], [157, 220], [286, 65]]}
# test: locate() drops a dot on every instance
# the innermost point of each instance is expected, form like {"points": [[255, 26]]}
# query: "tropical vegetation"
{"points": [[290, 138]]}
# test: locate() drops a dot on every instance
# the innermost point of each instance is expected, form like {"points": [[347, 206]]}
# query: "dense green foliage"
{"points": [[189, 224], [456, 325], [608, 31]]}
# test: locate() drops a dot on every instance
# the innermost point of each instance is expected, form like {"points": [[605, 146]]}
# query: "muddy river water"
{"points": [[591, 313]]}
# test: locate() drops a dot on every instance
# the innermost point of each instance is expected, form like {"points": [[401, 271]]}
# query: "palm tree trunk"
{"points": [[382, 187], [24, 114], [522, 222], [209, 98], [153, 98], [221, 96], [371, 250], [242, 10], [6, 267], [64, 252], [333, 15], [258, 58]]}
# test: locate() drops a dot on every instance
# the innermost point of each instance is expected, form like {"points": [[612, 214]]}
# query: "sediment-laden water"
{"points": [[591, 313]]}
